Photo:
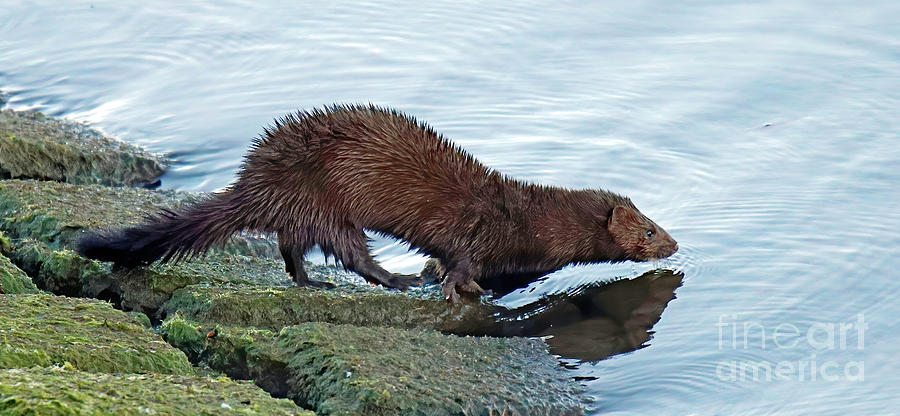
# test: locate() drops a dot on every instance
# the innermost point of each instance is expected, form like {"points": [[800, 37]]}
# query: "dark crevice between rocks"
{"points": [[71, 291], [115, 298], [274, 380]]}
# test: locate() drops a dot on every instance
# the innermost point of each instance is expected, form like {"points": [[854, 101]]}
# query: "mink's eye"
{"points": [[649, 233]]}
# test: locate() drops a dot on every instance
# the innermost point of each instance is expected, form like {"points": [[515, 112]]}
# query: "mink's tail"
{"points": [[169, 236]]}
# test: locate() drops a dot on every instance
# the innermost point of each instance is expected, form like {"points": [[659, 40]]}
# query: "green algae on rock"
{"points": [[64, 391], [46, 330], [44, 219], [241, 353], [13, 280], [347, 369], [387, 371], [276, 307], [33, 145], [142, 289], [5, 245], [55, 213]]}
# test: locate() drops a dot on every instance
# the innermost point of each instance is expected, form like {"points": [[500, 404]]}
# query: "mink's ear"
{"points": [[621, 219]]}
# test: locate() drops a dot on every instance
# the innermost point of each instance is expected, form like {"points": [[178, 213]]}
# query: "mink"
{"points": [[323, 177]]}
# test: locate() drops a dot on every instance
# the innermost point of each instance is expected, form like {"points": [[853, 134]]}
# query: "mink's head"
{"points": [[640, 237]]}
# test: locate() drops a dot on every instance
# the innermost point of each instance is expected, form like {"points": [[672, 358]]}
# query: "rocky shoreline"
{"points": [[172, 339]]}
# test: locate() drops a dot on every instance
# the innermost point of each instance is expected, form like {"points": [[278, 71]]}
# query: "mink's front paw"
{"points": [[450, 293], [459, 292]]}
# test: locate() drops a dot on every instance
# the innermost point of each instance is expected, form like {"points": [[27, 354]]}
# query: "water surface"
{"points": [[763, 136]]}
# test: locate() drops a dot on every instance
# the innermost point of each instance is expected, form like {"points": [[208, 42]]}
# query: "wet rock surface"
{"points": [[63, 391], [277, 307], [348, 369], [44, 219], [89, 335], [68, 356], [13, 280], [33, 145]]}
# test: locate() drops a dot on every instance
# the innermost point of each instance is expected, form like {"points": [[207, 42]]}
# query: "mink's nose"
{"points": [[669, 250]]}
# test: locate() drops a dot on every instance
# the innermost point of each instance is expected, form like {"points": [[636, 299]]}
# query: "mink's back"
{"points": [[374, 167]]}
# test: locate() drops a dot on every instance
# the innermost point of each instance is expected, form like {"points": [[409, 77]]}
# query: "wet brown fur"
{"points": [[322, 177]]}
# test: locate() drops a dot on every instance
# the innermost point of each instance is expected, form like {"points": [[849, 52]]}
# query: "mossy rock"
{"points": [[13, 280], [348, 369], [44, 219], [276, 307], [387, 371], [56, 213], [5, 245], [64, 391], [35, 146], [46, 330], [142, 289], [240, 352]]}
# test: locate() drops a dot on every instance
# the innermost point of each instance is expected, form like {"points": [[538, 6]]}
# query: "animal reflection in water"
{"points": [[594, 321]]}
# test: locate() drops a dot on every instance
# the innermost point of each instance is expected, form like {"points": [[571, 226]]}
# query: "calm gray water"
{"points": [[763, 136]]}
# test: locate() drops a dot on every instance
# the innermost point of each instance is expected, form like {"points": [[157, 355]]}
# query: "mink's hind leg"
{"points": [[293, 252], [349, 246]]}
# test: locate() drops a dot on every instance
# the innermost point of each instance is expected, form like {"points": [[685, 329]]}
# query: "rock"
{"points": [[13, 280], [5, 245], [55, 213], [88, 335], [44, 220], [393, 371], [144, 289], [276, 307], [33, 145], [58, 391], [348, 369]]}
